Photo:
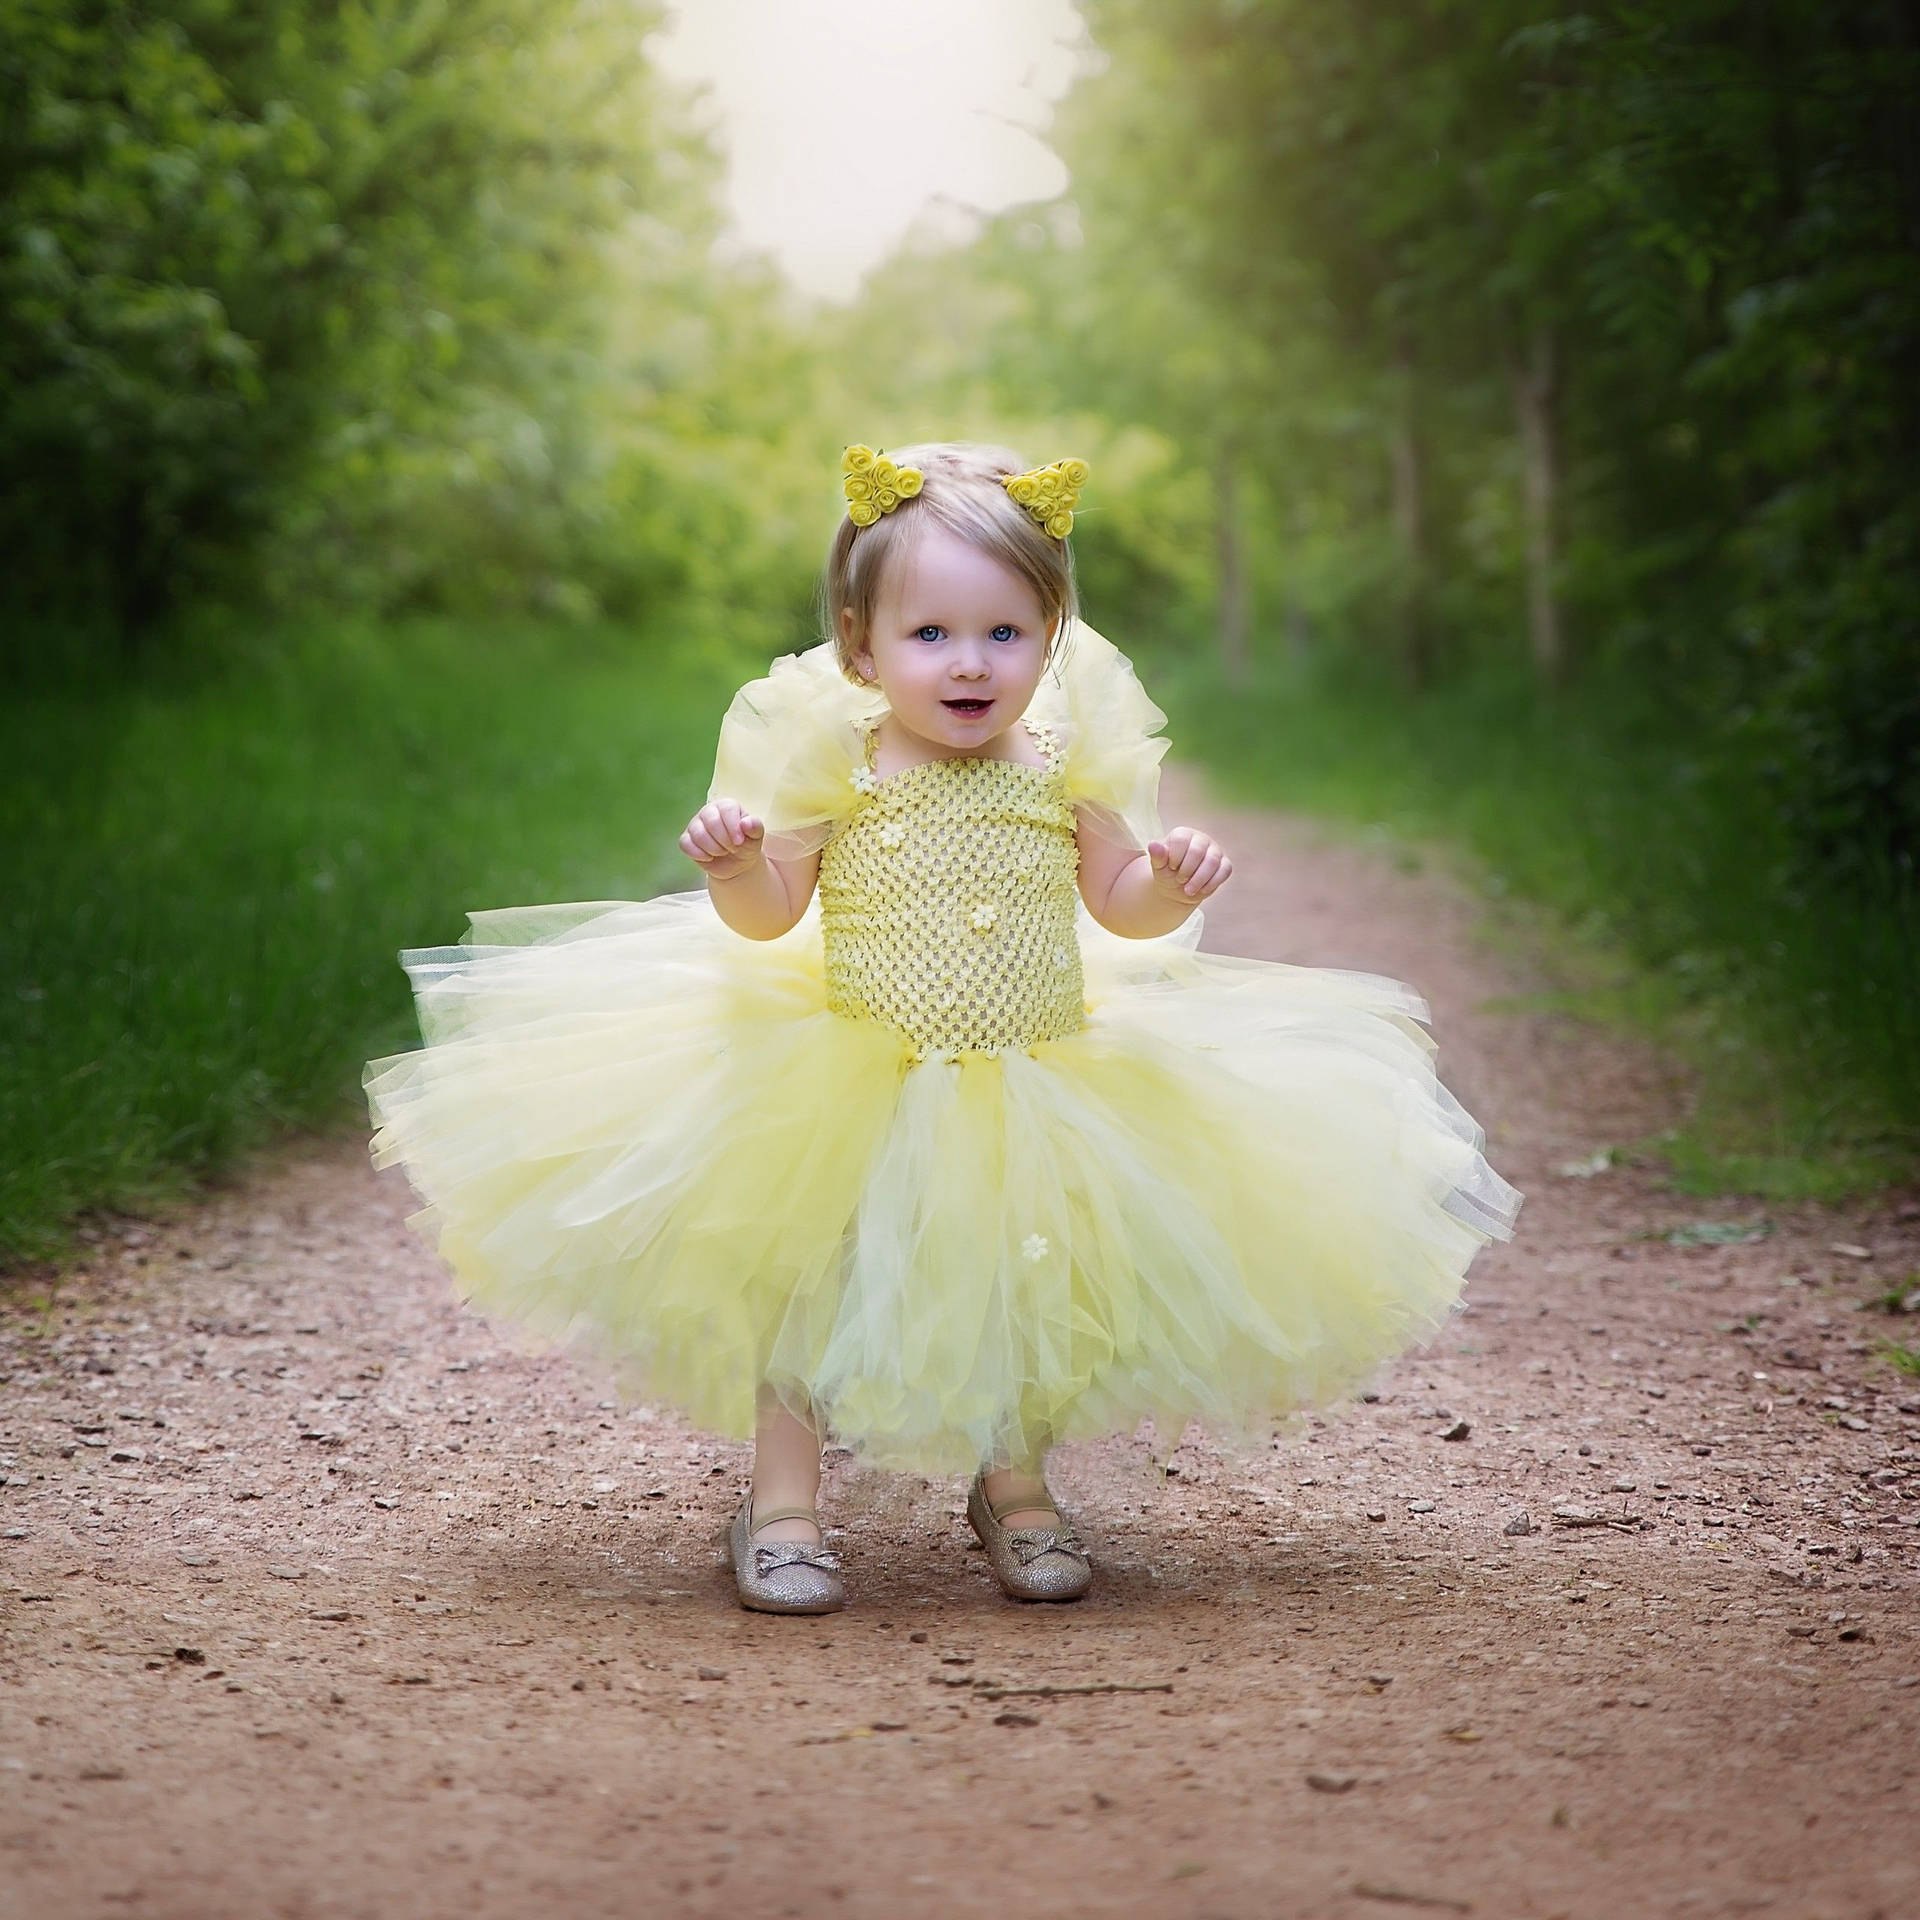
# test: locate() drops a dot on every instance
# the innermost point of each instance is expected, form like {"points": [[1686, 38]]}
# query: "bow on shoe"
{"points": [[793, 1553], [1031, 1542]]}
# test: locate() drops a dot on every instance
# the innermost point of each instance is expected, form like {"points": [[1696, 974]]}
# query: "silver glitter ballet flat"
{"points": [[783, 1576], [1031, 1563]]}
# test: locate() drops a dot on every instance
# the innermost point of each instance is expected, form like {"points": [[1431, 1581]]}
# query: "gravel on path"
{"points": [[321, 1597]]}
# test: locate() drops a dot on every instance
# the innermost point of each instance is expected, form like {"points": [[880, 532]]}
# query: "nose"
{"points": [[971, 662]]}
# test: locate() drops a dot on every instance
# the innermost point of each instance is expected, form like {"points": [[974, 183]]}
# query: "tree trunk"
{"points": [[1407, 460], [1534, 394], [1231, 568], [1299, 631]]}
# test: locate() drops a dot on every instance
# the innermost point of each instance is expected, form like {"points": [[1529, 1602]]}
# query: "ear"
{"points": [[861, 656]]}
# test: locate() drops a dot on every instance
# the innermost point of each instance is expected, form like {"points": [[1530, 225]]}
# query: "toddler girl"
{"points": [[943, 1166]]}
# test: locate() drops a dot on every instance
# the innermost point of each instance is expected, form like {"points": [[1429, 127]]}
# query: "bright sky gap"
{"points": [[846, 127]]}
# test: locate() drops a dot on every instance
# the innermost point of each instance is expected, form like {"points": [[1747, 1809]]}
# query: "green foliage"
{"points": [[1693, 227], [382, 306], [207, 887], [1795, 1003], [1563, 366]]}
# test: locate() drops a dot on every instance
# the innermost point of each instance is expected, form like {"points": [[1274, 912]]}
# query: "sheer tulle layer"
{"points": [[1233, 1194]]}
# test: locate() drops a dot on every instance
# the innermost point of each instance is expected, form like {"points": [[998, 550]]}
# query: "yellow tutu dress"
{"points": [[947, 1164]]}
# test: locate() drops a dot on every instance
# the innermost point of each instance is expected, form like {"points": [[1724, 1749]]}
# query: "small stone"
{"points": [[13, 1533], [1420, 1506], [193, 1557], [288, 1573], [918, 1638], [1011, 1719], [1853, 1423], [710, 1673], [1702, 1449], [1520, 1525], [1583, 1449], [1849, 1250], [334, 1613], [126, 1454], [1379, 1679], [1800, 1633], [1332, 1782], [1458, 1431], [1376, 1513], [1624, 1486], [386, 1500], [1853, 1633], [606, 1486]]}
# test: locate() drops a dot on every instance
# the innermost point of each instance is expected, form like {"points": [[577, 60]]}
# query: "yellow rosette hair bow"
{"points": [[874, 485], [1049, 494]]}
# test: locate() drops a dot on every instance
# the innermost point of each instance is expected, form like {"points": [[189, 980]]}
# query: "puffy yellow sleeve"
{"points": [[1111, 732], [788, 748]]}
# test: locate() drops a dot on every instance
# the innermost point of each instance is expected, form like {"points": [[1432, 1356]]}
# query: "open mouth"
{"points": [[967, 709]]}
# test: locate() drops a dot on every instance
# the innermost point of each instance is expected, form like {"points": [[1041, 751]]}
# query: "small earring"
{"points": [[866, 669]]}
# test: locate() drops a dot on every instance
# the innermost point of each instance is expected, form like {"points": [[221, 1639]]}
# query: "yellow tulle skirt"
{"points": [[1232, 1195]]}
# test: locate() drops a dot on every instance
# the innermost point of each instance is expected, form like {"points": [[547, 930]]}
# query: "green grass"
{"points": [[206, 885], [1667, 900]]}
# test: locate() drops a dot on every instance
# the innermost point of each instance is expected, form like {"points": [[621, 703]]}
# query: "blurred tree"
{"points": [[1641, 285], [273, 275]]}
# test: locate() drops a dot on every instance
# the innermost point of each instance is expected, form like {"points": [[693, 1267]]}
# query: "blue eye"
{"points": [[1004, 632], [926, 633]]}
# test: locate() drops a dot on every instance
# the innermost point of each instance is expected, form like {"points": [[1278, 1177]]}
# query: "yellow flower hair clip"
{"points": [[1050, 494], [874, 485]]}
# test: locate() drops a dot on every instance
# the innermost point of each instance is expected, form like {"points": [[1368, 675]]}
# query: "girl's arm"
{"points": [[1139, 892], [757, 896]]}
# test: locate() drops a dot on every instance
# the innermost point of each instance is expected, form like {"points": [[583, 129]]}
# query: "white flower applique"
{"points": [[1062, 959], [1034, 1249], [984, 917], [863, 780], [892, 836]]}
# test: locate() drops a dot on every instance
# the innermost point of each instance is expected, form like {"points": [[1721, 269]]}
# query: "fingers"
{"points": [[1194, 863], [722, 831], [1213, 872]]}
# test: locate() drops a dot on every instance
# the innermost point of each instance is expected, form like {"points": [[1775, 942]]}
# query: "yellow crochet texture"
{"points": [[947, 904]]}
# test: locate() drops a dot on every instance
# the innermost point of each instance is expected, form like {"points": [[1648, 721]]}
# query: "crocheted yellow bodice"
{"points": [[947, 904]]}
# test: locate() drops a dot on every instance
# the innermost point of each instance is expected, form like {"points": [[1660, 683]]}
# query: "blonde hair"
{"points": [[964, 493]]}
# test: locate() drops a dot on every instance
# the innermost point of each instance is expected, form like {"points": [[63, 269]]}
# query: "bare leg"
{"points": [[1026, 1485], [786, 1469]]}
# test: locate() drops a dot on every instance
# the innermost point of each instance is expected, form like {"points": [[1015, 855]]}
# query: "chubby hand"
{"points": [[724, 840], [1188, 865]]}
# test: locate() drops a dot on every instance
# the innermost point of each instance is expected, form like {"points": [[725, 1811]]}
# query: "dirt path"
{"points": [[318, 1598]]}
